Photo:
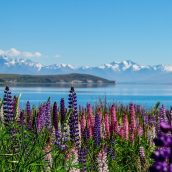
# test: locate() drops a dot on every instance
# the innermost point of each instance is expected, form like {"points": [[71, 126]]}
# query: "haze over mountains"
{"points": [[125, 71]]}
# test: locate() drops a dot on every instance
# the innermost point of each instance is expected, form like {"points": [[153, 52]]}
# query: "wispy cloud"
{"points": [[57, 56], [17, 53]]}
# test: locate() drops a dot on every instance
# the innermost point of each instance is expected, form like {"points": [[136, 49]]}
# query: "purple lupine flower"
{"points": [[14, 104], [97, 130], [170, 116], [62, 112], [161, 118], [86, 134], [58, 138], [21, 118], [163, 154], [55, 116], [162, 114], [48, 115], [82, 157], [111, 149], [38, 121], [41, 118], [8, 107], [73, 120], [29, 114], [64, 127]]}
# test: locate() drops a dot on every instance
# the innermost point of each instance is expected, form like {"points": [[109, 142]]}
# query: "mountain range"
{"points": [[124, 71]]}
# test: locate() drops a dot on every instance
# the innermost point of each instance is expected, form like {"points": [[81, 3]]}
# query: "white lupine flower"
{"points": [[1, 112], [74, 153], [102, 161], [48, 157]]}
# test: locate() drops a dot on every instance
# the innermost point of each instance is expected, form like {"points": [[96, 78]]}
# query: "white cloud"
{"points": [[17, 53], [57, 56]]}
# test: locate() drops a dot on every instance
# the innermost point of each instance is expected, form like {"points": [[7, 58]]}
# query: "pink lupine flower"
{"points": [[122, 133], [132, 116], [99, 112], [132, 136], [89, 108], [90, 119], [103, 130], [126, 127], [102, 125], [82, 122], [107, 126], [133, 122], [90, 128], [114, 122], [140, 130], [102, 161]]}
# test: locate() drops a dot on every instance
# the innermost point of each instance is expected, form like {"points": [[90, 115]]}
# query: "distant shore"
{"points": [[77, 80]]}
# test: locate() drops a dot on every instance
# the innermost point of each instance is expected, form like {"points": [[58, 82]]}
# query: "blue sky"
{"points": [[83, 32]]}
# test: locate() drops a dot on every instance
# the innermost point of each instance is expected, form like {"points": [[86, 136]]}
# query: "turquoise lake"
{"points": [[143, 94]]}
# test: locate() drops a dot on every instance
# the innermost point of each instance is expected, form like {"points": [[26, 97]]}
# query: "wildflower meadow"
{"points": [[67, 137]]}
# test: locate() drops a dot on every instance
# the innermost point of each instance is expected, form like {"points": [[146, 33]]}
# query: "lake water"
{"points": [[144, 94]]}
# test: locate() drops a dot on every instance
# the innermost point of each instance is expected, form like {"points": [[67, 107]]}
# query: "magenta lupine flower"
{"points": [[126, 127], [8, 107], [132, 116], [132, 137], [48, 115], [29, 114], [97, 131], [122, 132], [107, 125], [83, 122], [90, 120], [90, 127], [133, 122], [99, 112], [89, 109], [114, 122], [55, 116], [140, 130]]}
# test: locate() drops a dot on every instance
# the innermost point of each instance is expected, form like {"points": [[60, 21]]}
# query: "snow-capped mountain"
{"points": [[125, 71]]}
